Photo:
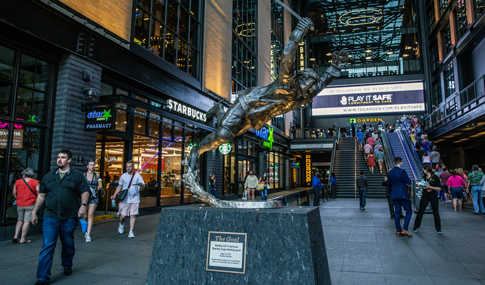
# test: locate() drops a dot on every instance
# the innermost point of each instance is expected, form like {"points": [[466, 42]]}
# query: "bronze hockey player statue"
{"points": [[259, 105]]}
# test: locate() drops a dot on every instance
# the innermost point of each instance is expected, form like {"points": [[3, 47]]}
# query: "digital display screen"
{"points": [[369, 99]]}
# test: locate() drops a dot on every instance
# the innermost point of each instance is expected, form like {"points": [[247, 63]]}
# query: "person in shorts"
{"points": [[95, 184], [380, 158], [25, 192], [129, 206], [360, 139]]}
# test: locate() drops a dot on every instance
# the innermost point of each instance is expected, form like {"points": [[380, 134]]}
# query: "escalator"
{"points": [[398, 150]]}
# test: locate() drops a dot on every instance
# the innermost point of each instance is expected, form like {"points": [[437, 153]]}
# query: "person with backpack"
{"points": [[25, 192], [362, 184]]}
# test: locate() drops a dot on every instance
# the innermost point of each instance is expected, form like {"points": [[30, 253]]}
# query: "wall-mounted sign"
{"points": [[180, 108], [266, 133], [100, 118], [226, 252], [295, 165], [17, 138], [312, 146], [368, 99], [308, 168], [367, 120], [225, 148]]}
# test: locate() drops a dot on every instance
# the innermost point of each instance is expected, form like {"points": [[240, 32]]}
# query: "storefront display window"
{"points": [[24, 95], [167, 131], [145, 157], [171, 173], [120, 120], [154, 128], [140, 124]]}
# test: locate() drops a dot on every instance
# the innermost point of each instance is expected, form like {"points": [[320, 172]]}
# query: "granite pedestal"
{"points": [[284, 246]]}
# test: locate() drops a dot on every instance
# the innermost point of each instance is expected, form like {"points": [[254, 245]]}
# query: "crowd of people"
{"points": [[315, 133], [69, 196]]}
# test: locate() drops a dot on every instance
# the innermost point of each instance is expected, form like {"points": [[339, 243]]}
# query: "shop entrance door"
{"points": [[109, 164], [244, 167]]}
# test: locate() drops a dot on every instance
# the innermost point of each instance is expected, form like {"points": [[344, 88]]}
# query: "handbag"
{"points": [[124, 192], [260, 186], [35, 194]]}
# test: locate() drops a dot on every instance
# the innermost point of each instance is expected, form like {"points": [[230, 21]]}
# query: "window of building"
{"points": [[443, 5], [431, 16], [276, 170], [461, 17], [381, 37], [169, 29], [479, 8], [244, 38], [433, 54], [436, 96], [25, 92], [446, 38], [449, 80]]}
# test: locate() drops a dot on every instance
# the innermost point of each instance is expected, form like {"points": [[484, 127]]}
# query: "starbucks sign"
{"points": [[225, 148]]}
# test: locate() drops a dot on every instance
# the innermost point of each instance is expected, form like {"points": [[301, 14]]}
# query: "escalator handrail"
{"points": [[387, 150], [332, 160], [417, 164], [406, 153]]}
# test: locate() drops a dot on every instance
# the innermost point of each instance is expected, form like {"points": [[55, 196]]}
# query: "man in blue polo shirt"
{"points": [[360, 138], [316, 188]]}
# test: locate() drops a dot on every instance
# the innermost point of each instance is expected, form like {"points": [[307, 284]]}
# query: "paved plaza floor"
{"points": [[361, 245]]}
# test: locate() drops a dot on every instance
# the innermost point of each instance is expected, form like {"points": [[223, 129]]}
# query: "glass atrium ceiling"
{"points": [[381, 36]]}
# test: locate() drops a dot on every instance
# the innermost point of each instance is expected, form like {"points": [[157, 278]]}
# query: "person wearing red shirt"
{"points": [[25, 192]]}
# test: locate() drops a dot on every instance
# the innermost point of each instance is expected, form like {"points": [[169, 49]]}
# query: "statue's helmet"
{"points": [[308, 81]]}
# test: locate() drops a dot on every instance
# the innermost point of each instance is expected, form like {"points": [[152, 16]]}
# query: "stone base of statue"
{"points": [[198, 244]]}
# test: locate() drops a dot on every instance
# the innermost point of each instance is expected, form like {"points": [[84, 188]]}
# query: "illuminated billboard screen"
{"points": [[368, 99]]}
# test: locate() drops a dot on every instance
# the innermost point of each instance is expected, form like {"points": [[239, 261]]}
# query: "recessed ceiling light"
{"points": [[329, 53], [368, 57], [369, 50], [389, 52], [405, 55]]}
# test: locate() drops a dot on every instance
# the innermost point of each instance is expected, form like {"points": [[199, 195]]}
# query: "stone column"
{"points": [[68, 129]]}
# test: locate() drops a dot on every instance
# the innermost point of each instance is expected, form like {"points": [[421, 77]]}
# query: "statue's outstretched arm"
{"points": [[287, 65], [339, 61]]}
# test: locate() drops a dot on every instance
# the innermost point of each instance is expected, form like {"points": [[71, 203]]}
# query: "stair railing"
{"points": [[388, 154], [332, 160], [355, 169], [408, 152], [409, 147]]}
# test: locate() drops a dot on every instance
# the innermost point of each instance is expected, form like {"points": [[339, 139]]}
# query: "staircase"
{"points": [[375, 189], [398, 150], [344, 168], [348, 165]]}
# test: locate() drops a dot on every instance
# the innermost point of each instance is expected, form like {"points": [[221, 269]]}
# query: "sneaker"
{"points": [[41, 282], [439, 232], [131, 235], [121, 229], [415, 230], [67, 271], [88, 238]]}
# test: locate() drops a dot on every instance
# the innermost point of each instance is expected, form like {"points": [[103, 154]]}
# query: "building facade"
{"points": [[132, 80]]}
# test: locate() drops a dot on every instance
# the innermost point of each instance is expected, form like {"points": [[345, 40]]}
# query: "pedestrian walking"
{"points": [[455, 184], [95, 183], [371, 161], [250, 185], [435, 157], [380, 158], [445, 189], [66, 194], [367, 150], [132, 182], [307, 131], [333, 184], [298, 130], [25, 192], [212, 182], [474, 179], [362, 184], [264, 192], [352, 125], [316, 188], [388, 197], [360, 139], [398, 180], [429, 195], [426, 159]]}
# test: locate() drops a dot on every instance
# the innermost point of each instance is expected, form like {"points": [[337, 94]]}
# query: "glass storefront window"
{"points": [[7, 57], [34, 73], [154, 128], [120, 120], [110, 167], [167, 131], [171, 173], [178, 134], [145, 157], [188, 136], [30, 105], [106, 89], [168, 29], [5, 98], [140, 124]]}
